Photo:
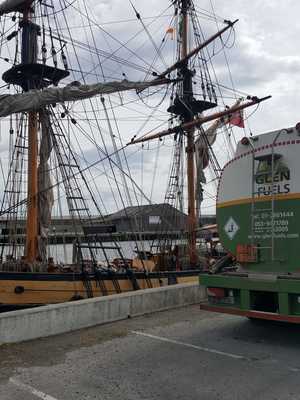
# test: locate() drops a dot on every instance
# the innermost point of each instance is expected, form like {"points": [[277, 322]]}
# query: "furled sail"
{"points": [[37, 99], [202, 145], [13, 5], [45, 191]]}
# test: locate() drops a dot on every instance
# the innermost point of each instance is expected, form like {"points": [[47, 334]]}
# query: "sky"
{"points": [[264, 60]]}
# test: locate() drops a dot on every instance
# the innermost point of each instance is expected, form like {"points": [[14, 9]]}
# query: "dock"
{"points": [[177, 354]]}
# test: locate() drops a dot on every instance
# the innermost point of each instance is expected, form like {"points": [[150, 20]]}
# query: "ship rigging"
{"points": [[52, 103]]}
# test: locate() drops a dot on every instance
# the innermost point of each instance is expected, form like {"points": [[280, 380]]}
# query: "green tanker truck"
{"points": [[258, 217]]}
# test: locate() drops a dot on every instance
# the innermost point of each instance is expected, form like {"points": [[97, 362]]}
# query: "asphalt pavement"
{"points": [[178, 354]]}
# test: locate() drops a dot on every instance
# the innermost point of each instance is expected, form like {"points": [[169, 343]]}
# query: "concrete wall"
{"points": [[17, 326]]}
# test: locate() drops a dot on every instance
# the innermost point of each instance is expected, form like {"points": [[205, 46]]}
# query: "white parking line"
{"points": [[192, 346], [31, 390]]}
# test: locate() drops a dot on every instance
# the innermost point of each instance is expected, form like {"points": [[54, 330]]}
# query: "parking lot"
{"points": [[178, 354]]}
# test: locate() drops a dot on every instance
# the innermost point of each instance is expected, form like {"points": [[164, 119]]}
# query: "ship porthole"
{"points": [[19, 289]]}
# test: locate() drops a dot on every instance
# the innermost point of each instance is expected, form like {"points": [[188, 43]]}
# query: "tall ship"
{"points": [[69, 90]]}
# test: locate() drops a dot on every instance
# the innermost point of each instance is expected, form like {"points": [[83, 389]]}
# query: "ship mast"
{"points": [[29, 56], [187, 116]]}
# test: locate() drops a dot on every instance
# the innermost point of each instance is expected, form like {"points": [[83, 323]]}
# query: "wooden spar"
{"points": [[186, 57], [31, 247], [190, 149], [199, 121], [32, 191]]}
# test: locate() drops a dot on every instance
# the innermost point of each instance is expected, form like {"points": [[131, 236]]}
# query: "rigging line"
{"points": [[147, 133], [230, 75], [213, 157], [109, 97], [155, 171], [94, 177], [227, 88], [228, 130], [90, 120], [117, 186], [61, 214], [78, 190], [148, 34], [12, 161], [224, 44], [112, 54], [93, 140], [142, 171], [101, 173], [74, 190], [203, 17], [13, 183], [153, 94], [72, 43], [121, 21], [118, 159], [117, 154], [2, 171], [168, 190], [212, 15], [135, 101], [214, 180], [162, 44], [103, 143], [204, 60], [253, 112], [115, 39], [109, 156], [210, 195], [211, 206], [126, 160], [61, 10], [4, 33], [106, 113], [226, 59], [108, 55]]}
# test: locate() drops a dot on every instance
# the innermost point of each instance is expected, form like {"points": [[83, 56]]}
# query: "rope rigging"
{"points": [[104, 123]]}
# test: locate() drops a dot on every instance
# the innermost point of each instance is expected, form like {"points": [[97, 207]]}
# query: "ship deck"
{"points": [[177, 354]]}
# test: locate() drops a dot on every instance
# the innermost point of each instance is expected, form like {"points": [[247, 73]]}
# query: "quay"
{"points": [[179, 354]]}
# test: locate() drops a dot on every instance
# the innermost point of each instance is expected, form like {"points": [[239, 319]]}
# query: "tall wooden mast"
{"points": [[31, 249], [29, 56], [186, 116]]}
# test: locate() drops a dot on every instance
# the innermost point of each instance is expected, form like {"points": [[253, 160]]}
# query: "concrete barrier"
{"points": [[33, 323]]}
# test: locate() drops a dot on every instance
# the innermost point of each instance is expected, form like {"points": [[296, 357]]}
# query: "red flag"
{"points": [[237, 119]]}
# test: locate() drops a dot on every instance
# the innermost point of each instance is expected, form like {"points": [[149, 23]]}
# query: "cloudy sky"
{"points": [[264, 60]]}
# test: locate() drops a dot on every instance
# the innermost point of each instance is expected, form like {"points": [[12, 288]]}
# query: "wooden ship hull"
{"points": [[26, 288]]}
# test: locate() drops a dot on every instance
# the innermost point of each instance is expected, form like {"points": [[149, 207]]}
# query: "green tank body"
{"points": [[258, 215]]}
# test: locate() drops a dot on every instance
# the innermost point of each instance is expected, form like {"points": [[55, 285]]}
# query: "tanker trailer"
{"points": [[258, 217]]}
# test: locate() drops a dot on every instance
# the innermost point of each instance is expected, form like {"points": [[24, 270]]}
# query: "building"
{"points": [[148, 218]]}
